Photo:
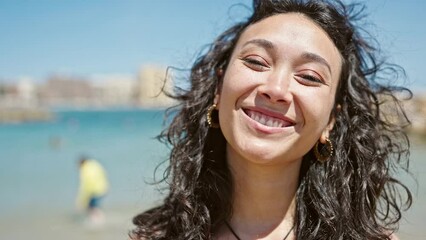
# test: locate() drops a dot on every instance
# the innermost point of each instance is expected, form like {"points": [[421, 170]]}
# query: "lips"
{"points": [[268, 119]]}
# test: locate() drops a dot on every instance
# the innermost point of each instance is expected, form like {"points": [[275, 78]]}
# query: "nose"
{"points": [[276, 88]]}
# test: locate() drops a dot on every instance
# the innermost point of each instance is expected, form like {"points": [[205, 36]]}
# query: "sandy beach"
{"points": [[67, 226]]}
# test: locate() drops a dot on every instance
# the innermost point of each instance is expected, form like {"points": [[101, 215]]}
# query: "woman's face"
{"points": [[278, 90]]}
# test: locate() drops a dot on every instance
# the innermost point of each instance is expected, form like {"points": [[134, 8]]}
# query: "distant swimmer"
{"points": [[55, 142], [93, 188]]}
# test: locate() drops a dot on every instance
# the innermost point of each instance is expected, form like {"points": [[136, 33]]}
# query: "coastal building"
{"points": [[19, 103], [416, 112], [20, 94], [27, 92], [66, 91], [8, 95], [152, 81], [115, 90]]}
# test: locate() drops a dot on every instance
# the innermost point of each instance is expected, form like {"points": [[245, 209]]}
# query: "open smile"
{"points": [[269, 119]]}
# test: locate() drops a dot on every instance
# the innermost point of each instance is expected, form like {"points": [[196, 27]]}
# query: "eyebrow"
{"points": [[306, 55], [316, 58], [261, 42]]}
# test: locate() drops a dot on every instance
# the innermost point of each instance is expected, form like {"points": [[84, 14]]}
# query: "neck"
{"points": [[264, 197]]}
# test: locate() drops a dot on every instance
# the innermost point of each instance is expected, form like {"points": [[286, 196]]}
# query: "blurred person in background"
{"points": [[93, 188]]}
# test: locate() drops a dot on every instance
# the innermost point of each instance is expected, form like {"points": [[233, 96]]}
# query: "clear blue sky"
{"points": [[84, 37]]}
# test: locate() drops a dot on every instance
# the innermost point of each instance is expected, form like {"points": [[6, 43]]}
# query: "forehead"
{"points": [[296, 25]]}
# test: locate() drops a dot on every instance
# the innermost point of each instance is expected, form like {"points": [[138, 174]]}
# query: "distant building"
{"points": [[27, 92], [66, 91], [151, 81], [114, 90], [416, 112], [20, 93], [19, 103], [8, 95]]}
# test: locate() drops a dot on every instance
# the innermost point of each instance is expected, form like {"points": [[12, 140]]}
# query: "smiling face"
{"points": [[278, 90]]}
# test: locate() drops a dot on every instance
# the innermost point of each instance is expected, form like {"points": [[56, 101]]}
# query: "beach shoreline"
{"points": [[68, 225]]}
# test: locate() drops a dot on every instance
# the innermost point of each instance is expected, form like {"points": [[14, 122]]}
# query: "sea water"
{"points": [[39, 169], [39, 172]]}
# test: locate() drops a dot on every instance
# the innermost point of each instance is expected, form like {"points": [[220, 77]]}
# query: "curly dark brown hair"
{"points": [[352, 196]]}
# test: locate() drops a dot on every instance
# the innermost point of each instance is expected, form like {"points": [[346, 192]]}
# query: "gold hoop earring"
{"points": [[324, 154], [210, 121]]}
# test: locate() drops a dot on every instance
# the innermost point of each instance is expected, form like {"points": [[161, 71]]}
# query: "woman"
{"points": [[282, 134]]}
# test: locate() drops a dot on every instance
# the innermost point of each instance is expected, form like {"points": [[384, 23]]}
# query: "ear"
{"points": [[326, 132]]}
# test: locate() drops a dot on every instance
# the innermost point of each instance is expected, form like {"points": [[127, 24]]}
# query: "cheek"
{"points": [[231, 83], [236, 85], [316, 108]]}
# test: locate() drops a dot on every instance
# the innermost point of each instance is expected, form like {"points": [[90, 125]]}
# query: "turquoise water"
{"points": [[39, 174], [39, 160]]}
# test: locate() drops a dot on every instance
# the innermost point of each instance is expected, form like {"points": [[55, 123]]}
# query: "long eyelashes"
{"points": [[253, 61], [311, 78], [261, 65], [255, 64]]}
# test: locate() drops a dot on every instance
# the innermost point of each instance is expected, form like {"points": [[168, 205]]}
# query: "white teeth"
{"points": [[276, 124], [262, 120], [266, 120], [256, 118]]}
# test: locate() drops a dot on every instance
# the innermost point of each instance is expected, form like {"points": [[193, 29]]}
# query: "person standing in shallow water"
{"points": [[93, 188], [282, 134]]}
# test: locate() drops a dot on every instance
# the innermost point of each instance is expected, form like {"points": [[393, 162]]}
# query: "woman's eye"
{"points": [[255, 64], [310, 79]]}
